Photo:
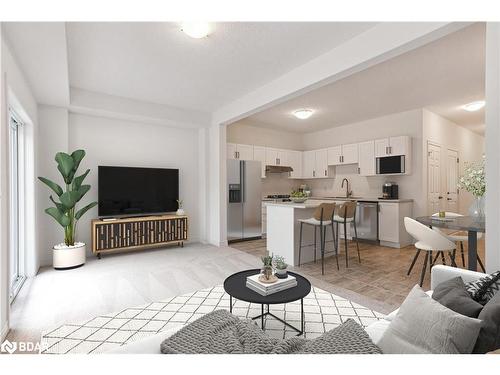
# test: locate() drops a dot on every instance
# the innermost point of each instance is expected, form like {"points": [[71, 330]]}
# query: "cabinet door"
{"points": [[335, 155], [398, 145], [367, 158], [321, 169], [245, 152], [381, 147], [308, 164], [350, 153], [259, 154], [295, 161], [283, 158], [231, 151], [388, 222], [271, 156]]}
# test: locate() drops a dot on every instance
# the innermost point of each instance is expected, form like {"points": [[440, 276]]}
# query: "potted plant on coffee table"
{"points": [[69, 254], [280, 266]]}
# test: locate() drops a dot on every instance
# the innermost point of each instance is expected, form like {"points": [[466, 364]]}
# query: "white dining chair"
{"points": [[454, 236], [428, 240]]}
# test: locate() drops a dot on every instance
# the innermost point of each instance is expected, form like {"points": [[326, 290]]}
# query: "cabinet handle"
{"points": [[359, 170], [325, 172], [314, 173], [340, 159], [390, 150]]}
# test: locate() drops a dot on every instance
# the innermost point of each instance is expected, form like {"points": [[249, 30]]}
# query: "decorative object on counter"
{"points": [[267, 268], [280, 266], [473, 180], [180, 211], [70, 254], [298, 196], [305, 189], [442, 214]]}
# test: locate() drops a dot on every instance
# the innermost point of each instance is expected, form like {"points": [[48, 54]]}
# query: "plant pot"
{"points": [[68, 257], [267, 272], [281, 274], [180, 212]]}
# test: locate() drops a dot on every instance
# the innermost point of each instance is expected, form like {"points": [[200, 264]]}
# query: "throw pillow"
{"points": [[423, 325], [452, 294], [489, 336], [485, 288]]}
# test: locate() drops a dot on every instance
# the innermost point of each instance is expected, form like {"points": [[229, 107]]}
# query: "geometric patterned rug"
{"points": [[323, 311]]}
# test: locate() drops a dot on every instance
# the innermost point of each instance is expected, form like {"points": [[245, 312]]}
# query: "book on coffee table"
{"points": [[266, 289]]}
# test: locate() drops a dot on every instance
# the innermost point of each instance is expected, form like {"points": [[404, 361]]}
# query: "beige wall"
{"points": [[447, 134], [242, 132]]}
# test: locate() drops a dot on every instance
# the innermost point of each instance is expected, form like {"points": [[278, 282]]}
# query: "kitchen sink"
{"points": [[344, 197]]}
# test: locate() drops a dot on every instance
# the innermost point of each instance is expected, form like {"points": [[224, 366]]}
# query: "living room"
{"points": [[143, 261]]}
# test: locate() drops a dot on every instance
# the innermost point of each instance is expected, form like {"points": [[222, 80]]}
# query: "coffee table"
{"points": [[235, 286]]}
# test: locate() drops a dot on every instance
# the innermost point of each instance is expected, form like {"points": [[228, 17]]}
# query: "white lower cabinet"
{"points": [[391, 228]]}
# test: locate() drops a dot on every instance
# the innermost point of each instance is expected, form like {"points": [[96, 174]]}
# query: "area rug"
{"points": [[323, 311]]}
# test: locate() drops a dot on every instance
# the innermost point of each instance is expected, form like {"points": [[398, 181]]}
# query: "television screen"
{"points": [[133, 191]]}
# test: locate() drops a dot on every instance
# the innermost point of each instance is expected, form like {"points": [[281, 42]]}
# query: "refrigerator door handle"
{"points": [[242, 181]]}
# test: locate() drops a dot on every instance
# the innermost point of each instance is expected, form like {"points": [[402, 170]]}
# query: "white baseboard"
{"points": [[4, 332]]}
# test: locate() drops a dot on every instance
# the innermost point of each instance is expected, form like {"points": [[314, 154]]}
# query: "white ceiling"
{"points": [[156, 62], [440, 76]]}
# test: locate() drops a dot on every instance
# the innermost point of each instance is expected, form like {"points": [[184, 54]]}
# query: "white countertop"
{"points": [[314, 202]]}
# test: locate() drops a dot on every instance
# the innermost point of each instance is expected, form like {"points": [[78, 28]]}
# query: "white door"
{"points": [[309, 164], [283, 158], [452, 181], [388, 222], [259, 154], [434, 196], [244, 152], [381, 147], [231, 151], [271, 156], [321, 163], [397, 145], [367, 158], [335, 155], [350, 153], [295, 161]]}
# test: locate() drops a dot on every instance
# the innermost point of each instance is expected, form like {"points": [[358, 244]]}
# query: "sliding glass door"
{"points": [[16, 253]]}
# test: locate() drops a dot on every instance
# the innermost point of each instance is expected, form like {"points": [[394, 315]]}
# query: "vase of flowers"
{"points": [[180, 210], [473, 180]]}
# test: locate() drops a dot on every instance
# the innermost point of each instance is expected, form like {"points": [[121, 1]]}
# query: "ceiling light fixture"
{"points": [[196, 30], [303, 114], [474, 106]]}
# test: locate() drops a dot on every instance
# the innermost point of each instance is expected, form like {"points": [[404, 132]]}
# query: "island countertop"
{"points": [[314, 202]]}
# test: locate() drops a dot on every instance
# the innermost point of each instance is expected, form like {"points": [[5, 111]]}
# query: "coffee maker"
{"points": [[390, 191]]}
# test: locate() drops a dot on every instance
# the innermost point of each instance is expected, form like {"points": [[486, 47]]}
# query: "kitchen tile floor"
{"points": [[380, 276]]}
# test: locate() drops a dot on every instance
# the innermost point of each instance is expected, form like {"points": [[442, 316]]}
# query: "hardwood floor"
{"points": [[381, 275]]}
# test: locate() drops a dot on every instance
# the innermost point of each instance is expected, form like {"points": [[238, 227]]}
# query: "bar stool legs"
{"points": [[335, 247], [357, 243]]}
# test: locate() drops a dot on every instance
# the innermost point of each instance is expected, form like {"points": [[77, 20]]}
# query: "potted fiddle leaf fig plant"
{"points": [[70, 253]]}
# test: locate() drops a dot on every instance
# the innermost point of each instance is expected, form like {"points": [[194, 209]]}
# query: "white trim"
{"points": [[4, 331]]}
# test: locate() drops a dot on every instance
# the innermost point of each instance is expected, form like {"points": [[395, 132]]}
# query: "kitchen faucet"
{"points": [[348, 193]]}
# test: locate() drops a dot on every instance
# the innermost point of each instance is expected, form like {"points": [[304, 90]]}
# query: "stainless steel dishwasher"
{"points": [[367, 221]]}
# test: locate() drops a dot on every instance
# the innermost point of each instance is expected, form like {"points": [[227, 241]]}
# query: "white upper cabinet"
{"points": [[350, 153], [335, 155], [259, 154], [295, 161], [240, 152], [308, 164], [366, 158], [393, 146], [321, 169]]}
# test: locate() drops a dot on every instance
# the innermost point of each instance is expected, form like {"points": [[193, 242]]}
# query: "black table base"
{"points": [[268, 313]]}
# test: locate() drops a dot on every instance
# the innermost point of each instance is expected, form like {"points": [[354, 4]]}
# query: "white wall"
{"points": [[448, 135], [242, 132], [15, 91]]}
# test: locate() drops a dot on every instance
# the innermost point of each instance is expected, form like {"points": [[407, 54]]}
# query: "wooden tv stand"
{"points": [[135, 233]]}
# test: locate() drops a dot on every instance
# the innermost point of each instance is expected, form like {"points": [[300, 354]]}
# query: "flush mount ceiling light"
{"points": [[303, 114], [196, 30], [474, 106]]}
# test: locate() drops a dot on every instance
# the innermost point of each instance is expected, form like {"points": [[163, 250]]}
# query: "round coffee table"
{"points": [[235, 286]]}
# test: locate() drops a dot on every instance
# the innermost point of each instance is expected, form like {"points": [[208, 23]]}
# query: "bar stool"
{"points": [[322, 218], [346, 214], [455, 237], [427, 240]]}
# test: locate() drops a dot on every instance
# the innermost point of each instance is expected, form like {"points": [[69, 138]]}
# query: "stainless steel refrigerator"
{"points": [[244, 220]]}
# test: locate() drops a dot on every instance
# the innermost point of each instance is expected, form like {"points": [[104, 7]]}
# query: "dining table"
{"points": [[470, 224]]}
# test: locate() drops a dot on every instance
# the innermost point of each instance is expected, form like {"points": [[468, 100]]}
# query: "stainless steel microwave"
{"points": [[391, 165]]}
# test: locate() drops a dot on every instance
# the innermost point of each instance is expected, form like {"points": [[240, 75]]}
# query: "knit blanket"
{"points": [[220, 332]]}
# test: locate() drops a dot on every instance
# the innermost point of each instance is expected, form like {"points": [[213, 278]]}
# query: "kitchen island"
{"points": [[283, 227]]}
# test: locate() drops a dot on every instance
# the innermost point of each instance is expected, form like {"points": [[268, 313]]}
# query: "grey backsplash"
{"points": [[279, 183]]}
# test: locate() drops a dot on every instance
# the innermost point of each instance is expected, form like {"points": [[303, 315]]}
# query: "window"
{"points": [[16, 217]]}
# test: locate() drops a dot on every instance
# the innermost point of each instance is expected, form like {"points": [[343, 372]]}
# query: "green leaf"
{"points": [[77, 157], [55, 187], [60, 217], [82, 211], [69, 199], [65, 165], [77, 181], [82, 191], [59, 206]]}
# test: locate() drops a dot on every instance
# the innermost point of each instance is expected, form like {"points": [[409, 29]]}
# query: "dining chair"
{"points": [[345, 214], [428, 240], [322, 219], [459, 239]]}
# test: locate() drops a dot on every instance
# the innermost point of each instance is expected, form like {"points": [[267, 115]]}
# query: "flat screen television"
{"points": [[135, 191]]}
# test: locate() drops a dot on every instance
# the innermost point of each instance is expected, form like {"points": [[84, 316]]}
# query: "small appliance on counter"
{"points": [[305, 189], [390, 191], [279, 197]]}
